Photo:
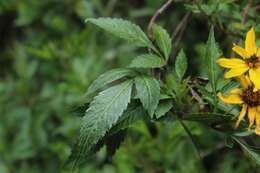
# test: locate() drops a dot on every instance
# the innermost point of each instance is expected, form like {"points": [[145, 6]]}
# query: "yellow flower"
{"points": [[248, 99], [250, 61]]}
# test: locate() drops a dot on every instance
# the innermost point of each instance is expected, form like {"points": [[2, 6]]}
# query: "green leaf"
{"points": [[163, 108], [208, 117], [181, 64], [123, 29], [211, 54], [103, 113], [133, 114], [148, 90], [147, 61], [253, 153], [163, 40], [107, 78]]}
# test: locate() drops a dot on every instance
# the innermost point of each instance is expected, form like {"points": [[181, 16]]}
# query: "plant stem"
{"points": [[156, 14]]}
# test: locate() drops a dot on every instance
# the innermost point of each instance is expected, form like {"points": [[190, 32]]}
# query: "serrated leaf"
{"points": [[123, 29], [148, 91], [254, 154], [147, 61], [211, 54], [163, 40], [181, 64], [107, 78], [163, 108], [103, 113]]}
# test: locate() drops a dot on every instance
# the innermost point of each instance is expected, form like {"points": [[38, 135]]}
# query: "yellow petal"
{"points": [[258, 108], [258, 52], [257, 118], [236, 91], [250, 44], [254, 75], [240, 51], [230, 98], [231, 63], [244, 81], [257, 130], [251, 115], [235, 72], [242, 114]]}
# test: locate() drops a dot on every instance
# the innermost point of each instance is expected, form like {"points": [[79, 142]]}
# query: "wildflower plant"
{"points": [[155, 89]]}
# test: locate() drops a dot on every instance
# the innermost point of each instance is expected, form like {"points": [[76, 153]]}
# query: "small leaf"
{"points": [[148, 91], [163, 40], [147, 61], [107, 78], [103, 113], [211, 54], [181, 64], [123, 29], [163, 108], [253, 153]]}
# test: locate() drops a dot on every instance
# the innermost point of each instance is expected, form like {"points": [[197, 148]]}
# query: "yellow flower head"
{"points": [[250, 61], [248, 99]]}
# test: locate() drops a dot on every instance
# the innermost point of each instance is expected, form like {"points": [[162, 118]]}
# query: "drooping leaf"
{"points": [[181, 64], [208, 117], [148, 91], [107, 78], [211, 54], [253, 153], [147, 61], [103, 113], [163, 40], [123, 29], [163, 108]]}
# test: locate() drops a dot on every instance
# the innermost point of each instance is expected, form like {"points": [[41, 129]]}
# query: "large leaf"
{"points": [[211, 54], [147, 61], [103, 113], [181, 64], [163, 40], [148, 90], [253, 153], [107, 78], [123, 29]]}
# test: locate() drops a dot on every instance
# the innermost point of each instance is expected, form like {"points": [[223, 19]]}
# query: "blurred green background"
{"points": [[48, 58]]}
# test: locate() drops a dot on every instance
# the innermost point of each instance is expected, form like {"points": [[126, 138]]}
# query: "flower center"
{"points": [[253, 61], [251, 98]]}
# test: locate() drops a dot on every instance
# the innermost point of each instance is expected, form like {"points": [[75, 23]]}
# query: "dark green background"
{"points": [[48, 58]]}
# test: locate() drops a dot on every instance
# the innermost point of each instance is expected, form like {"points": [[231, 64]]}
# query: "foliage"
{"points": [[145, 105]]}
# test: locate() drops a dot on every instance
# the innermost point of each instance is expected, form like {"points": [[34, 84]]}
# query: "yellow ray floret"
{"points": [[249, 63]]}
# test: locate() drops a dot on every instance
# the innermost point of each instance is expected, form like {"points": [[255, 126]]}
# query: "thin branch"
{"points": [[156, 14], [246, 11], [257, 7], [197, 97], [182, 23]]}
